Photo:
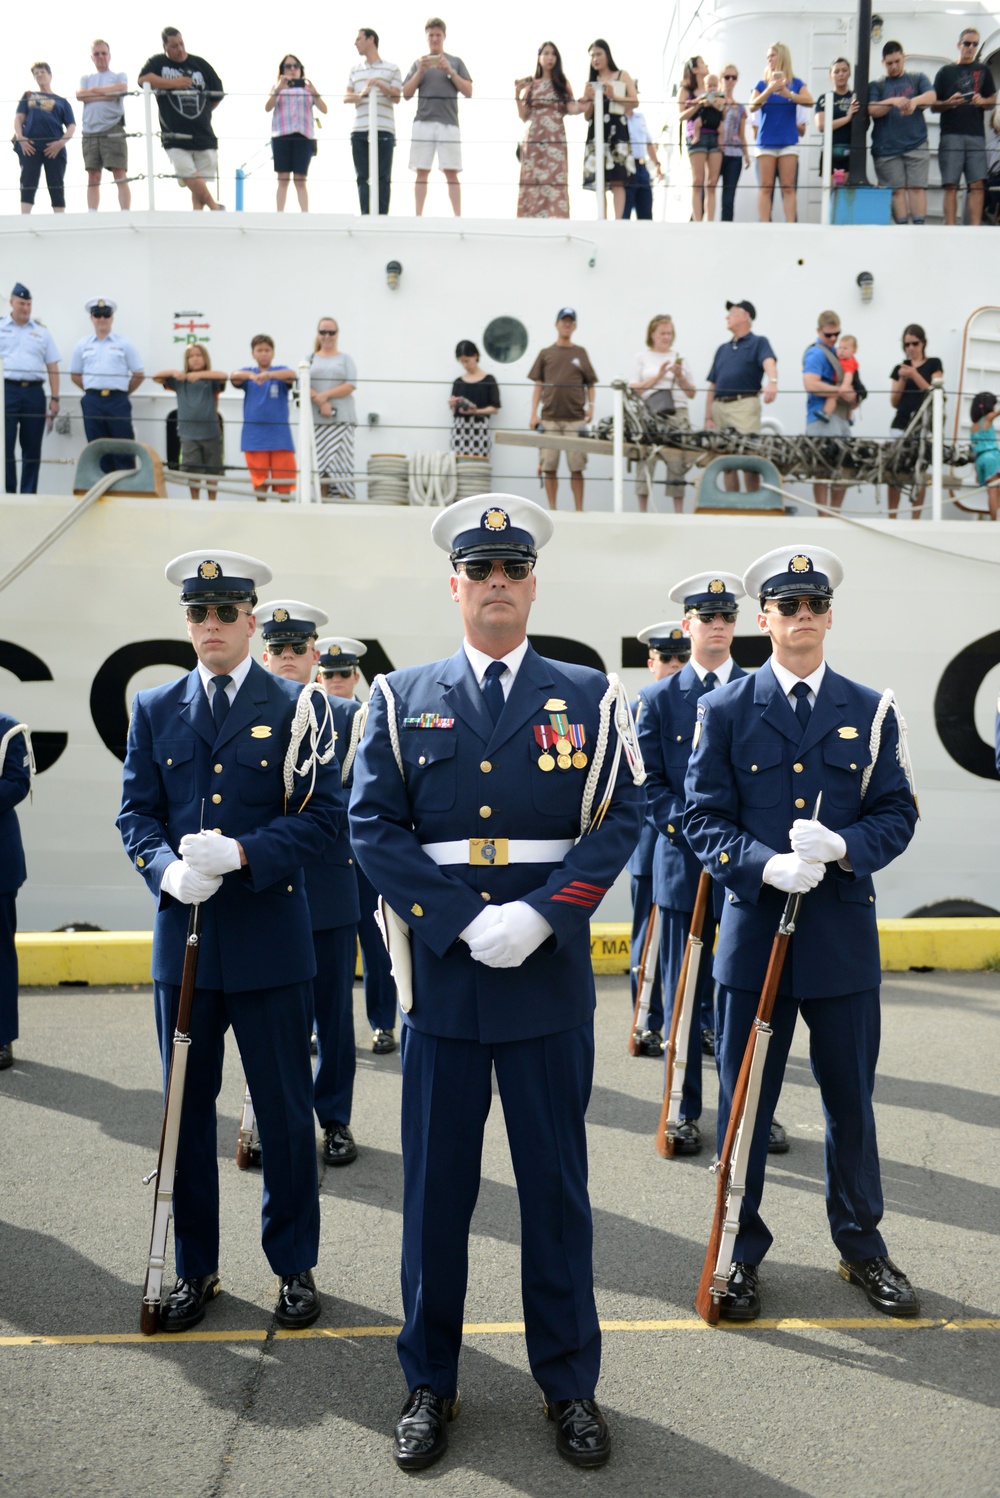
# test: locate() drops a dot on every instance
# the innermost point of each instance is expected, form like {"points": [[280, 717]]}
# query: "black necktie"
{"points": [[492, 690], [800, 692], [220, 702], [711, 681]]}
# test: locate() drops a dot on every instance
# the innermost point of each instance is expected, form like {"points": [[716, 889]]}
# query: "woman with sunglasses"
{"points": [[733, 139], [293, 128], [912, 380], [333, 377]]}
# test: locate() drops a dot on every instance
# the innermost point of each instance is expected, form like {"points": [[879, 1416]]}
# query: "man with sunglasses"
{"points": [[206, 820], [107, 368], [471, 786], [965, 93], [765, 749], [823, 376], [339, 673], [669, 651], [666, 730], [289, 630]]}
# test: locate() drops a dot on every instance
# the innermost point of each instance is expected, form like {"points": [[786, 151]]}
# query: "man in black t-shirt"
{"points": [[187, 90], [965, 91]]}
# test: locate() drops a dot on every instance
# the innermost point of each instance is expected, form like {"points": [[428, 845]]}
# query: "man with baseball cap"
{"points": [[744, 369], [219, 809], [482, 812], [29, 356], [765, 749], [564, 398]]}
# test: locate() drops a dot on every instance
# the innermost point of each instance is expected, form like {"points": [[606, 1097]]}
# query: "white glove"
{"points": [[817, 843], [512, 938], [186, 884], [482, 923], [210, 853], [792, 874]]}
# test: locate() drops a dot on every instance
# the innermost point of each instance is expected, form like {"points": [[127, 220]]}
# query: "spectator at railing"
{"points": [[437, 79], [564, 396], [266, 439], [983, 414], [188, 90], [899, 134], [639, 190], [733, 139], [845, 107], [474, 398], [830, 397], [744, 372], [619, 98], [44, 122], [197, 389], [293, 129], [963, 91], [702, 104], [385, 82], [664, 381], [774, 101], [107, 368], [543, 102], [102, 130], [333, 378], [912, 381]]}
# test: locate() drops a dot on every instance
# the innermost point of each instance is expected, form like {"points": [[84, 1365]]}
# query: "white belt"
{"points": [[496, 851]]}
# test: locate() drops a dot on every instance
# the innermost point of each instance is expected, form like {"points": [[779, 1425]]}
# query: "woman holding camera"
{"points": [[474, 398], [663, 379], [912, 381], [293, 128]]}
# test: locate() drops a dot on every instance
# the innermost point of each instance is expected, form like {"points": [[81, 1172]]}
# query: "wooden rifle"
{"points": [[645, 977], [731, 1169], [166, 1165], [680, 1023]]}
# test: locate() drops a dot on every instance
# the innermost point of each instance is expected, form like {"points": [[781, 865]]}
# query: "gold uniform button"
{"points": [[263, 764], [291, 887], [798, 768], [218, 769], [732, 897], [422, 760], [486, 811], [754, 768], [670, 826], [416, 910], [216, 798], [219, 831], [854, 767], [486, 767], [169, 761], [349, 862], [723, 857], [140, 863], [679, 736], [799, 802], [871, 899], [487, 895]]}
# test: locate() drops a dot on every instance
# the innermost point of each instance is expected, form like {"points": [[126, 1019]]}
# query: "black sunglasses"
{"points": [[299, 649], [342, 671], [672, 655], [226, 613], [478, 572], [728, 616], [328, 332], [789, 607]]}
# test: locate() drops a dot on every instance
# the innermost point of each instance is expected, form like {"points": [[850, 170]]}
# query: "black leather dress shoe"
{"points": [[651, 1043], [383, 1042], [338, 1145], [708, 1042], [185, 1306], [687, 1140], [6, 1056], [741, 1301], [298, 1300], [421, 1436], [582, 1434], [777, 1140], [885, 1285]]}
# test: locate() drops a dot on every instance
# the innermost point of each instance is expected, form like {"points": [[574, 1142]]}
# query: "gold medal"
{"points": [[579, 760], [546, 762], [563, 746], [564, 761]]}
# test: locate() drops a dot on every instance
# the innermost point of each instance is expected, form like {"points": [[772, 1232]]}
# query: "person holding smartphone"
{"points": [[912, 380], [293, 128], [965, 94], [474, 398]]}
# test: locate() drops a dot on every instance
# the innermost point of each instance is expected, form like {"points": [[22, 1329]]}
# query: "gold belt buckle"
{"points": [[104, 392], [488, 851]]}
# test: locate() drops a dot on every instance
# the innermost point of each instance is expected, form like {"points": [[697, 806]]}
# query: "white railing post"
{"points": [[937, 452], [305, 468], [826, 210], [599, 186], [618, 440], [147, 99], [373, 204]]}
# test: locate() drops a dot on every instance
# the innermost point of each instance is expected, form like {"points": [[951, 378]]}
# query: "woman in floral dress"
{"points": [[543, 102], [620, 98]]}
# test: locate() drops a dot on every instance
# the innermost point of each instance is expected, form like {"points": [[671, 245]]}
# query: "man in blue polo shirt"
{"points": [[29, 355], [738, 371], [822, 376], [107, 368]]}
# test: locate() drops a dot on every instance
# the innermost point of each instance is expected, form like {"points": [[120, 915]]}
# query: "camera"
{"points": [[296, 83]]}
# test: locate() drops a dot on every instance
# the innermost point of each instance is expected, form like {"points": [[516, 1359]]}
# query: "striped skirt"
{"points": [[335, 456]]}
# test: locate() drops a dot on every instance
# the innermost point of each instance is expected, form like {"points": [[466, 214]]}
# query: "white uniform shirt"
{"points": [[26, 350], [105, 363]]}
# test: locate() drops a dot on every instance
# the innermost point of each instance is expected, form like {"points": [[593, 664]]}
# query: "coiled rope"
{"points": [[306, 721], [433, 478]]}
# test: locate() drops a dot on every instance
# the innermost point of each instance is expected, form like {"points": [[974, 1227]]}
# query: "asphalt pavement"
{"points": [[821, 1397]]}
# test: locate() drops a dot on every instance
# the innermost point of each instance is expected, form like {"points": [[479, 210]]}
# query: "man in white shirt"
{"points": [[103, 130], [383, 81]]}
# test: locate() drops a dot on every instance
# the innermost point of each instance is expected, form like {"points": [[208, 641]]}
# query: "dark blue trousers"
{"points": [[639, 193], [732, 167], [359, 150], [380, 986], [844, 1038], [544, 1087], [24, 415], [108, 416], [333, 991], [674, 928], [272, 1027], [8, 969], [642, 904]]}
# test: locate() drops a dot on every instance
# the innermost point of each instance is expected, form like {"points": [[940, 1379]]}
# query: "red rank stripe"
{"points": [[568, 899], [578, 884]]}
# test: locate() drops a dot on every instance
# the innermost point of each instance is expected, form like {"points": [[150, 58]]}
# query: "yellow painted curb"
{"points": [[47, 959]]}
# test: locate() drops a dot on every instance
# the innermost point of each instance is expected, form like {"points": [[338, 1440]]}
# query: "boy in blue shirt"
{"points": [[266, 439]]}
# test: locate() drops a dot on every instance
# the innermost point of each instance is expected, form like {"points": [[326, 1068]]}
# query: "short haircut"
{"points": [[435, 23], [891, 48], [968, 31], [193, 348], [837, 61], [827, 319], [849, 338], [654, 323], [261, 338], [167, 33], [99, 42], [368, 32], [44, 65], [466, 349]]}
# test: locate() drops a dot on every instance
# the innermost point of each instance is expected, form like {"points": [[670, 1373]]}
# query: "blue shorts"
{"points": [[292, 153]]}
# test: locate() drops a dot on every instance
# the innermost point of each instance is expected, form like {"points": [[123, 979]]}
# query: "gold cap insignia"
{"points": [[208, 571], [496, 520], [280, 616], [716, 585], [800, 564], [676, 634], [847, 733], [554, 705], [261, 731]]}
